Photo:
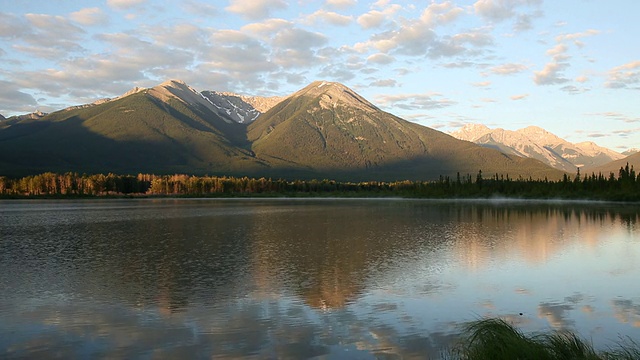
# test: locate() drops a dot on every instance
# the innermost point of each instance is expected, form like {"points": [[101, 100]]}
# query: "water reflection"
{"points": [[295, 279]]}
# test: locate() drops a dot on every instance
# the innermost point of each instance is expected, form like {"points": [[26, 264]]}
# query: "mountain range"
{"points": [[324, 130], [535, 142]]}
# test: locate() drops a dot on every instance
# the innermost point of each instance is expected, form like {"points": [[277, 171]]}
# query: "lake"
{"points": [[302, 278]]}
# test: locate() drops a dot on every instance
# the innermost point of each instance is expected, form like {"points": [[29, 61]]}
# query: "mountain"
{"points": [[2, 118], [325, 130], [535, 142], [242, 109], [168, 128], [614, 166], [630, 152]]}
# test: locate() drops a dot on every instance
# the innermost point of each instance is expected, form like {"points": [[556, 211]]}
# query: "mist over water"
{"points": [[283, 278]]}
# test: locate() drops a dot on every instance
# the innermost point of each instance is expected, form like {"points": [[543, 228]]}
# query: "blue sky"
{"points": [[569, 66]]}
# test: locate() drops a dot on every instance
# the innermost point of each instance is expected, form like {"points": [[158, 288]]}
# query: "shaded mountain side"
{"points": [[137, 133], [330, 129], [614, 166], [325, 130]]}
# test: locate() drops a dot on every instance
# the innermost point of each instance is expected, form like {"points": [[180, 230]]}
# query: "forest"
{"points": [[624, 186]]}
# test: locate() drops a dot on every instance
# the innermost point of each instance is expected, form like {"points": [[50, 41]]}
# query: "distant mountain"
{"points": [[33, 116], [630, 152], [614, 166], [535, 142], [325, 130], [2, 118]]}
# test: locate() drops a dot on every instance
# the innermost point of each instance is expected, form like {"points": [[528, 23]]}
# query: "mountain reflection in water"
{"points": [[302, 278]]}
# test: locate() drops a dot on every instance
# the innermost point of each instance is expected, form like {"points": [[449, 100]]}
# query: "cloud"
{"points": [[559, 49], [627, 312], [255, 9], [43, 36], [413, 101], [11, 26], [89, 16], [239, 54], [624, 76], [500, 10], [582, 79], [555, 314], [12, 100], [550, 74], [371, 19], [573, 90], [338, 72], [198, 8], [179, 36], [340, 4], [294, 47], [124, 4], [384, 83], [575, 36], [508, 69], [519, 97], [481, 84], [375, 18], [267, 28], [440, 13], [380, 58], [323, 16]]}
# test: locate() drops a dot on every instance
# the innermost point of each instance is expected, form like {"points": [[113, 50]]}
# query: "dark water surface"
{"points": [[336, 279]]}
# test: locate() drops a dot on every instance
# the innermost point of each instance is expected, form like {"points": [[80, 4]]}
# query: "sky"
{"points": [[569, 66]]}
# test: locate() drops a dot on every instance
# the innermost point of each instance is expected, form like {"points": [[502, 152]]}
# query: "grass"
{"points": [[496, 339]]}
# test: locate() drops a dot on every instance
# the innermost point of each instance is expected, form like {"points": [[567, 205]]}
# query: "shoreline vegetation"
{"points": [[496, 339], [623, 187]]}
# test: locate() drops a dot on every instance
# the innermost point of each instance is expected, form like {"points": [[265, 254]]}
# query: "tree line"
{"points": [[624, 186]]}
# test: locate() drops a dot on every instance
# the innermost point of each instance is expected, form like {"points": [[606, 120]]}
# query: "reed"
{"points": [[496, 339]]}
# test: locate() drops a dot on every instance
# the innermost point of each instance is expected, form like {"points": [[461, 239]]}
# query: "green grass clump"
{"points": [[496, 339]]}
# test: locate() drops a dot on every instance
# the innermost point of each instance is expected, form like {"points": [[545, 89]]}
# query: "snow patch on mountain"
{"points": [[239, 108]]}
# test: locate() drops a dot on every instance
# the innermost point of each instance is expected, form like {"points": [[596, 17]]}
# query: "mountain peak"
{"points": [[536, 142], [471, 132], [334, 94]]}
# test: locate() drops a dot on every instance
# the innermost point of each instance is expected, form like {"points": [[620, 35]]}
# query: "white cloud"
{"points": [[199, 8], [624, 76], [13, 100], [340, 4], [499, 10], [481, 84], [375, 18], [384, 83], [267, 28], [413, 101], [372, 19], [295, 47], [575, 36], [550, 74], [124, 4], [255, 9], [508, 69], [519, 97], [323, 16], [89, 16], [44, 36], [440, 13], [582, 79], [380, 58]]}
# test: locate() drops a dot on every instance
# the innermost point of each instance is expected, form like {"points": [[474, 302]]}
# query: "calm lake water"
{"points": [[336, 279]]}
